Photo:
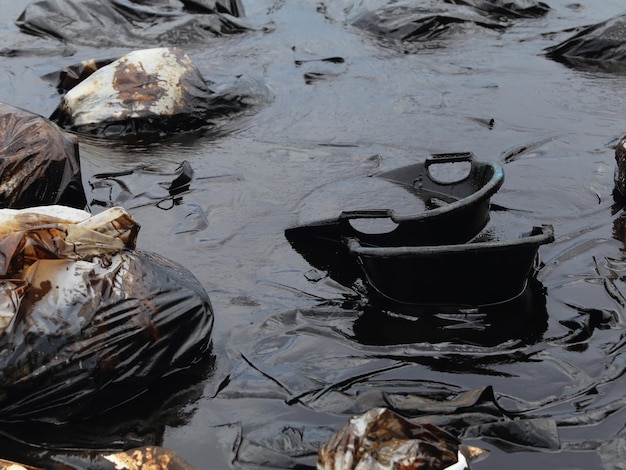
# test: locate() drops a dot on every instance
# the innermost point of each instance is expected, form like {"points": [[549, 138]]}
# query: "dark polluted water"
{"points": [[295, 354]]}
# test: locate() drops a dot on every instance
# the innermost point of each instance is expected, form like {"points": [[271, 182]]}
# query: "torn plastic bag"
{"points": [[90, 322], [148, 91], [39, 163]]}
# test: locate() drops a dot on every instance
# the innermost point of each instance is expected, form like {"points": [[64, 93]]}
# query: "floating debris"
{"points": [[383, 440]]}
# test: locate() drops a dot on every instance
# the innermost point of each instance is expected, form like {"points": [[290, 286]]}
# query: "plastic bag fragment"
{"points": [[142, 186], [94, 323], [39, 163]]}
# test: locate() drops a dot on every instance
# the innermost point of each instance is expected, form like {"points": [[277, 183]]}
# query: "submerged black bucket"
{"points": [[462, 275]]}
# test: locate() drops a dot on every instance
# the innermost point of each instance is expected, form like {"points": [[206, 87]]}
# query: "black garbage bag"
{"points": [[88, 322], [600, 45], [422, 22], [132, 23], [39, 163], [147, 92], [412, 23]]}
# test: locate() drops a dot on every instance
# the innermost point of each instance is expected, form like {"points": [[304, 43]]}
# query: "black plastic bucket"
{"points": [[464, 275]]}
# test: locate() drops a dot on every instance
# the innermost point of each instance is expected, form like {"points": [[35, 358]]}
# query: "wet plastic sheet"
{"points": [[90, 322], [39, 163]]}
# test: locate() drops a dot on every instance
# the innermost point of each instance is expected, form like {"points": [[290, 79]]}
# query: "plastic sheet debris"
{"points": [[148, 91], [89, 322], [383, 440], [39, 163], [142, 186]]}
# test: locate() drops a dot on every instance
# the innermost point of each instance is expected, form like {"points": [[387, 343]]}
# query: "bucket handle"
{"points": [[367, 214], [452, 157]]}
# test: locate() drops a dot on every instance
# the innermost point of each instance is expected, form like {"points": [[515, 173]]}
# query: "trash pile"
{"points": [[89, 323], [429, 257]]}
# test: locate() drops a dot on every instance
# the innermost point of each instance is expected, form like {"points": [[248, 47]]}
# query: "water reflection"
{"points": [[523, 319], [141, 422]]}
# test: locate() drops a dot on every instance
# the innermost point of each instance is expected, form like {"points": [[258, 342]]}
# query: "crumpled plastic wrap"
{"points": [[88, 322]]}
